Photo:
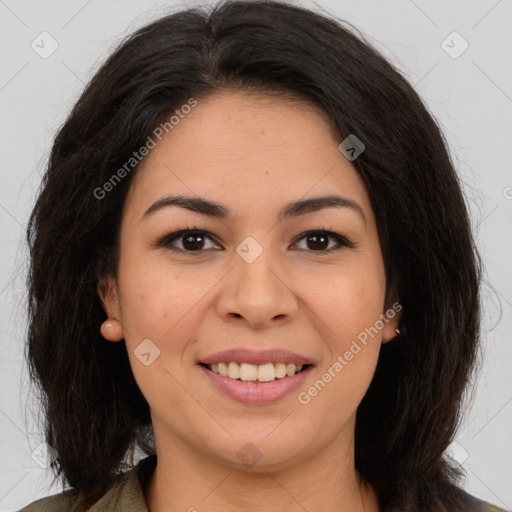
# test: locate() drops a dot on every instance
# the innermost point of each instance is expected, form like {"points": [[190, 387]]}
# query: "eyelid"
{"points": [[342, 241], [176, 235]]}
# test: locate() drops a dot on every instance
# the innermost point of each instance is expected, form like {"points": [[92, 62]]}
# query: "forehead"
{"points": [[245, 150]]}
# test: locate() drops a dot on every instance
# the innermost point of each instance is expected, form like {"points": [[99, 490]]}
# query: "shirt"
{"points": [[128, 495]]}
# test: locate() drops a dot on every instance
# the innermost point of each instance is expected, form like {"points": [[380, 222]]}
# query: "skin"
{"points": [[253, 154]]}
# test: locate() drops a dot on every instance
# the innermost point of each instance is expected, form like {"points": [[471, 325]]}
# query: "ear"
{"points": [[392, 314], [391, 318], [107, 290], [109, 297]]}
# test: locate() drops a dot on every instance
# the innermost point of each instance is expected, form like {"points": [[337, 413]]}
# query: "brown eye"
{"points": [[197, 240], [318, 241], [189, 240], [193, 241]]}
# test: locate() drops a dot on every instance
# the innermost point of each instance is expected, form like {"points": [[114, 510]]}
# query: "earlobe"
{"points": [[111, 329], [392, 314], [386, 339], [391, 331]]}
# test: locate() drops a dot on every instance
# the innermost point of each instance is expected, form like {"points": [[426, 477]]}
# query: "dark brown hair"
{"points": [[95, 413]]}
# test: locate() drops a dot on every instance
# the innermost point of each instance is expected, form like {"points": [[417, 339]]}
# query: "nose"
{"points": [[257, 293]]}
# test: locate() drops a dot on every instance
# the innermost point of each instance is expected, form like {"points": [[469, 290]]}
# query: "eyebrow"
{"points": [[289, 211]]}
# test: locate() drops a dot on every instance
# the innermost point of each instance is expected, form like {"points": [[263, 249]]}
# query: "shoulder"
{"points": [[443, 497], [479, 505], [126, 495], [63, 502], [488, 507]]}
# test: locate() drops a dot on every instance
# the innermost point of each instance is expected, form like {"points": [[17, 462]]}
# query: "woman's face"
{"points": [[261, 277]]}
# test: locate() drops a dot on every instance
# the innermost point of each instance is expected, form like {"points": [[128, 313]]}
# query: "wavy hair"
{"points": [[95, 414]]}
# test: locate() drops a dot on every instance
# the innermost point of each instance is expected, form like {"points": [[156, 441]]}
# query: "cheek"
{"points": [[155, 295], [158, 309], [349, 302], [159, 323], [164, 305], [347, 316]]}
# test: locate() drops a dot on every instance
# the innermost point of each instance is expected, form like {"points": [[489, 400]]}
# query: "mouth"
{"points": [[268, 372], [256, 385], [256, 377]]}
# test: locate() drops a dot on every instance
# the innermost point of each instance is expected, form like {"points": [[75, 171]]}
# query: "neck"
{"points": [[186, 481]]}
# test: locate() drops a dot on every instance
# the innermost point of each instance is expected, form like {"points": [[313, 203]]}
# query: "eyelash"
{"points": [[167, 240]]}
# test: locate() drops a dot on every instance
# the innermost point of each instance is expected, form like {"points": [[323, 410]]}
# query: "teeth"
{"points": [[248, 371], [233, 371], [223, 369], [251, 372], [281, 370], [266, 372]]}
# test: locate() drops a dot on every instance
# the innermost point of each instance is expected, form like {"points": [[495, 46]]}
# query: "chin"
{"points": [[259, 455]]}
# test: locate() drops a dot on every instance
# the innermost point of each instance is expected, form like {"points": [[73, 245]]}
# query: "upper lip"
{"points": [[244, 355]]}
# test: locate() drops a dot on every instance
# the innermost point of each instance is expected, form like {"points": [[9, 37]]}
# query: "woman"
{"points": [[251, 259]]}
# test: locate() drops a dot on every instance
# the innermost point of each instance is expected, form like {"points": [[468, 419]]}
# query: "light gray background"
{"points": [[471, 96]]}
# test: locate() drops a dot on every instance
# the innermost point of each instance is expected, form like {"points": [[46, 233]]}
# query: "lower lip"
{"points": [[257, 393]]}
